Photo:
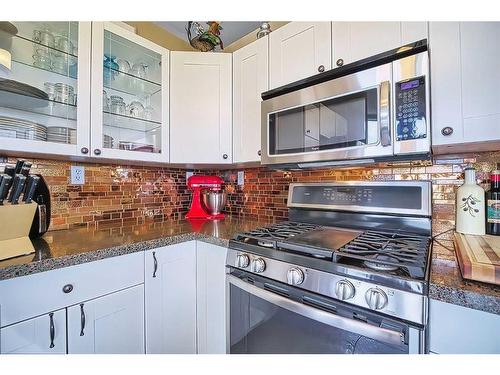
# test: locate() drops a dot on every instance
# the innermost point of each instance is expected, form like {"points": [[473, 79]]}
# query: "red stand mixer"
{"points": [[199, 209]]}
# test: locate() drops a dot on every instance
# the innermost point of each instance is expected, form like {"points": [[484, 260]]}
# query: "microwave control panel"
{"points": [[411, 109]]}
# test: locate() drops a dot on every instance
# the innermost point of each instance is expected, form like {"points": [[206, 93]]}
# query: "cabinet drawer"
{"points": [[25, 297]]}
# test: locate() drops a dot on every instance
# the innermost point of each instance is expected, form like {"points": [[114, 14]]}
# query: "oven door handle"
{"points": [[385, 117], [351, 325]]}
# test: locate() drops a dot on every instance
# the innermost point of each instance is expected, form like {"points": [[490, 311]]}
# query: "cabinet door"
{"points": [[299, 50], [354, 41], [129, 96], [113, 324], [171, 299], [250, 80], [43, 335], [211, 298], [53, 58], [200, 108], [465, 78]]}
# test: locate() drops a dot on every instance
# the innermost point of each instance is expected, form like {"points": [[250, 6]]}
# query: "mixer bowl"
{"points": [[214, 201]]}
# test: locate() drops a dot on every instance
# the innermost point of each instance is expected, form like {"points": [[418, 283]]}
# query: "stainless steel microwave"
{"points": [[373, 110]]}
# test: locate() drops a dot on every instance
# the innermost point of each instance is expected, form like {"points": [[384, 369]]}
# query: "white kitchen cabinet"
{"points": [[459, 330], [354, 41], [465, 80], [130, 119], [200, 108], [45, 334], [250, 80], [211, 298], [53, 57], [170, 284], [113, 324], [298, 50]]}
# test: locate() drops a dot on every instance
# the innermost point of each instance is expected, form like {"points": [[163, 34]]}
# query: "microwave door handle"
{"points": [[351, 325], [384, 107]]}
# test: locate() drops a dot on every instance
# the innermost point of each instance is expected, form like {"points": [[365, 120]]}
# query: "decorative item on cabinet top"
{"points": [[205, 40], [264, 29]]}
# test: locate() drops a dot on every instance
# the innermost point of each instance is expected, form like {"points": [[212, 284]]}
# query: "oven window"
{"points": [[348, 121], [260, 327]]}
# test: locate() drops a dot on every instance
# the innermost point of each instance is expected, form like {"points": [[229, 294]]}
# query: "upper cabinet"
{"points": [[46, 105], [200, 108], [354, 41], [130, 95], [465, 80], [250, 80], [299, 50]]}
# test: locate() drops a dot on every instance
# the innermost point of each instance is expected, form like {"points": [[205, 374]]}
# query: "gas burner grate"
{"points": [[270, 235], [383, 251]]}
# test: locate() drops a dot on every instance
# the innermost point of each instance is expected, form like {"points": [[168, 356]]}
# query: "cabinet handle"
{"points": [[155, 264], [84, 150], [82, 320], [67, 288], [447, 130], [321, 68], [259, 152], [339, 62], [52, 330], [225, 156], [97, 151]]}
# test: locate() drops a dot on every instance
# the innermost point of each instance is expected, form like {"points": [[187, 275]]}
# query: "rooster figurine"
{"points": [[205, 40]]}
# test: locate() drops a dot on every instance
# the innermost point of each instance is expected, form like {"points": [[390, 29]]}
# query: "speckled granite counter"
{"points": [[447, 284], [70, 247]]}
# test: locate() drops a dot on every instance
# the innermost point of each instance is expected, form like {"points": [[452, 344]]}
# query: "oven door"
{"points": [[342, 119], [267, 318]]}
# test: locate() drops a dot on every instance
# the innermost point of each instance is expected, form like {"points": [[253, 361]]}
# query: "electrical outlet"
{"points": [[241, 178], [189, 174], [77, 175]]}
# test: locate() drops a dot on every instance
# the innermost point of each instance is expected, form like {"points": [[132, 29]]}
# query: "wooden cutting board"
{"points": [[479, 257]]}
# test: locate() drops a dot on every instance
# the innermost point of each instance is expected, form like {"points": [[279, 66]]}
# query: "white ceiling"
{"points": [[232, 30]]}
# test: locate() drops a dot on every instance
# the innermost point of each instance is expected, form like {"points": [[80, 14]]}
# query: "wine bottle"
{"points": [[493, 205]]}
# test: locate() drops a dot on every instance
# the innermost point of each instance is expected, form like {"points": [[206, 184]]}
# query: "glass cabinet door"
{"points": [[45, 98], [129, 111]]}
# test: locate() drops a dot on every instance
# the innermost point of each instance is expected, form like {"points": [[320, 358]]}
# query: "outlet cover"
{"points": [[77, 175], [241, 178], [189, 174]]}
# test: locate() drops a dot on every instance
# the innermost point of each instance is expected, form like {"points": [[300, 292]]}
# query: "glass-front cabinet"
{"points": [[45, 98], [129, 96]]}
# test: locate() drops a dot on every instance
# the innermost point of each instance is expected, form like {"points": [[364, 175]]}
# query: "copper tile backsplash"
{"points": [[120, 195]]}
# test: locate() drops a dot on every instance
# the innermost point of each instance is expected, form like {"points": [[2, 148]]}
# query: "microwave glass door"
{"points": [[341, 122]]}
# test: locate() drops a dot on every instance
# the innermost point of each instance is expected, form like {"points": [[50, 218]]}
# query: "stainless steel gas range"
{"points": [[348, 273]]}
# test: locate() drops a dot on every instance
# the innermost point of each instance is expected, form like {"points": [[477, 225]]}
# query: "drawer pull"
{"points": [[82, 320], [155, 264], [52, 330], [67, 288]]}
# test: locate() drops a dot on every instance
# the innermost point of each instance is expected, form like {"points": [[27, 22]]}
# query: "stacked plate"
{"points": [[61, 134], [107, 141], [22, 129]]}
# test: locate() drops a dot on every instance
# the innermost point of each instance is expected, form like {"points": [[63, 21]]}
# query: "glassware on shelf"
{"points": [[139, 70], [60, 63], [123, 65], [118, 105], [42, 59], [149, 111], [110, 68], [65, 93], [44, 37], [105, 101], [50, 89], [64, 44], [135, 109]]}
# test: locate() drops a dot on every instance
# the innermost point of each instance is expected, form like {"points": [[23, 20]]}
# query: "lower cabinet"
{"points": [[113, 324], [170, 282], [459, 330], [211, 298], [45, 334]]}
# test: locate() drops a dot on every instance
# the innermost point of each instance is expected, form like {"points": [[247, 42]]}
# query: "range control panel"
{"points": [[411, 109]]}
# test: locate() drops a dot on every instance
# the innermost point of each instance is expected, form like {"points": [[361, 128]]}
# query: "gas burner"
{"points": [[378, 264]]}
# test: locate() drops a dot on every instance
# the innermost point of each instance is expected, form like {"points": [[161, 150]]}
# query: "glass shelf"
{"points": [[38, 106], [129, 84], [127, 122]]}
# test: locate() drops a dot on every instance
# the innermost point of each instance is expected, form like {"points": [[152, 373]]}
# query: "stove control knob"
{"points": [[295, 276], [242, 261], [344, 290], [258, 265], [376, 298]]}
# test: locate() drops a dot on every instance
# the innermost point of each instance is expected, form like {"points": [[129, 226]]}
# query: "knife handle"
{"points": [[4, 187], [19, 166], [17, 188], [31, 185], [10, 170]]}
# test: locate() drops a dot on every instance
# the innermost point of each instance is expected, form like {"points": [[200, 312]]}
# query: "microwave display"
{"points": [[410, 109], [341, 122]]}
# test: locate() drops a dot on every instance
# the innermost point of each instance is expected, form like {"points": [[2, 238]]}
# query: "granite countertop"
{"points": [[447, 284], [70, 247], [65, 248]]}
